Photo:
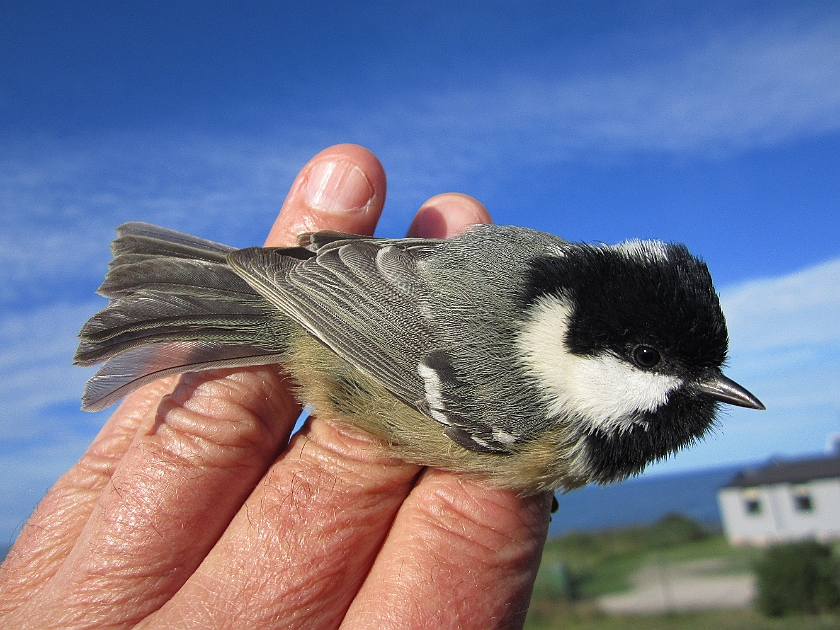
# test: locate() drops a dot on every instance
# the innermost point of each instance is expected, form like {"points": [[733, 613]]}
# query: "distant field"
{"points": [[579, 568], [745, 619]]}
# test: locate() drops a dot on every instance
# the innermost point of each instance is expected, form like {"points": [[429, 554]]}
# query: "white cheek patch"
{"points": [[609, 392]]}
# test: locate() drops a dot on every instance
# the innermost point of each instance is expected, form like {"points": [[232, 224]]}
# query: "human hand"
{"points": [[192, 509]]}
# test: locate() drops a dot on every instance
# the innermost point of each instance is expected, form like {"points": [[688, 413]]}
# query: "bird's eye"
{"points": [[646, 357]]}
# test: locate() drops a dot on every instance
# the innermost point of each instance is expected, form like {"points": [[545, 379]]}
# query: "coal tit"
{"points": [[505, 353]]}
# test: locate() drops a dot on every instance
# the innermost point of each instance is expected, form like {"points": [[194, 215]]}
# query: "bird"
{"points": [[505, 354]]}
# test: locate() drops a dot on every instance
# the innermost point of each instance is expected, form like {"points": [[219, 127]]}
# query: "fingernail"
{"points": [[337, 187]]}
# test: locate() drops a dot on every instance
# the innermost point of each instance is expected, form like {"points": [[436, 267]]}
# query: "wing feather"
{"points": [[342, 297], [363, 298]]}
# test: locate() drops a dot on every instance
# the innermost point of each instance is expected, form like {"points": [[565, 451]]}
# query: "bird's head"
{"points": [[626, 345]]}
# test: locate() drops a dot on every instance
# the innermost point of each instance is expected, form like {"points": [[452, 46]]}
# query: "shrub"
{"points": [[798, 578]]}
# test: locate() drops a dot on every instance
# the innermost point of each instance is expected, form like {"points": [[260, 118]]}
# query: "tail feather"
{"points": [[91, 352], [149, 309], [175, 275], [139, 366], [145, 238], [175, 306]]}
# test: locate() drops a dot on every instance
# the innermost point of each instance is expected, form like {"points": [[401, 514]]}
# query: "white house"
{"points": [[783, 501]]}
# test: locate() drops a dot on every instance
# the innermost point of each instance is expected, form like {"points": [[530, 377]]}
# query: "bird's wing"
{"points": [[357, 298], [363, 298]]}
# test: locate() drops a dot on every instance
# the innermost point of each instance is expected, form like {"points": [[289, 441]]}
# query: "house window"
{"points": [[752, 502], [802, 501]]}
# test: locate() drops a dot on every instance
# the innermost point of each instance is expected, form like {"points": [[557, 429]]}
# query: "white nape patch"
{"points": [[606, 390], [647, 250], [431, 383], [556, 250]]}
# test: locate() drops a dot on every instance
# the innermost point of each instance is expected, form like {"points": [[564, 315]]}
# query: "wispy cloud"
{"points": [[36, 352], [777, 314], [61, 199], [733, 91], [738, 91], [786, 338]]}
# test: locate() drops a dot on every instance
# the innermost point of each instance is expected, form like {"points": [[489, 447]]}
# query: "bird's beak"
{"points": [[726, 390]]}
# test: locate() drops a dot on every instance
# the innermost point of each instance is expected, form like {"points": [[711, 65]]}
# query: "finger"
{"points": [[197, 454], [447, 215], [50, 533], [459, 554], [342, 189], [297, 553]]}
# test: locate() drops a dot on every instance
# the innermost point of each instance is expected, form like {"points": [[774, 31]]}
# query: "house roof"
{"points": [[781, 471]]}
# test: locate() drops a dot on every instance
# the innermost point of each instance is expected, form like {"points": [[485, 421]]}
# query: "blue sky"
{"points": [[712, 123]]}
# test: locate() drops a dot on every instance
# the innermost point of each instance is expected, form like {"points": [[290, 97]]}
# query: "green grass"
{"points": [[582, 618], [599, 563], [580, 567]]}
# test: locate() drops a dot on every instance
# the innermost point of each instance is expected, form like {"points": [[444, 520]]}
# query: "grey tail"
{"points": [[175, 306]]}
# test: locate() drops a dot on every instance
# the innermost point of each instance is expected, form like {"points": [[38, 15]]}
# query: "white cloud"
{"points": [[785, 338], [36, 354], [734, 91], [59, 200], [785, 334], [788, 312]]}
